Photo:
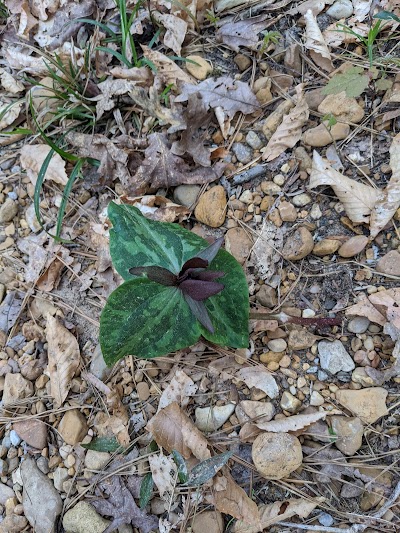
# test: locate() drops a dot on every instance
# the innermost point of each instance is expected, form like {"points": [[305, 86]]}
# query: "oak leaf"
{"points": [[242, 32], [167, 70], [176, 31], [231, 499]]}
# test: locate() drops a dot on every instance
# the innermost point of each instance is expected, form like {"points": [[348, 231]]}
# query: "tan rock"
{"points": [[349, 433], [326, 247], [321, 135], [382, 477], [389, 264], [96, 460], [8, 210], [290, 403], [16, 387], [314, 98], [342, 107], [143, 391], [267, 297], [211, 207], [301, 339], [261, 411], [269, 357], [298, 245], [201, 70], [238, 243], [276, 455], [243, 62], [73, 427], [208, 522], [353, 246], [33, 432], [275, 118], [83, 518], [367, 404], [266, 203], [287, 211]]}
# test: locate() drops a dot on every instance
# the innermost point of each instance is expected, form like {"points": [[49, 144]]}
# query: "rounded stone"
{"points": [[143, 391], [276, 455], [200, 69], [353, 246], [358, 324], [326, 247], [299, 245], [211, 207], [341, 9], [208, 522], [83, 518], [277, 345], [186, 194], [238, 243]]}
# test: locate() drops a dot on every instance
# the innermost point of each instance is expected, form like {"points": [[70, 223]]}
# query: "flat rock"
{"points": [[83, 518], [316, 399], [8, 211], [253, 140], [359, 324], [287, 211], [334, 357], [301, 339], [290, 403], [73, 427], [277, 345], [349, 432], [238, 243], [276, 455], [16, 387], [6, 492], [201, 69], [262, 411], [342, 107], [298, 245], [353, 246], [186, 194], [322, 136], [243, 153], [208, 522], [211, 207], [42, 503], [367, 404], [341, 9], [212, 418], [266, 296], [389, 264], [326, 247], [33, 432], [96, 460]]}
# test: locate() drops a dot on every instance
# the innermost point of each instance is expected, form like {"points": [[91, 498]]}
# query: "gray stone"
{"points": [[98, 366], [83, 518], [253, 140], [243, 153], [325, 519], [186, 194], [277, 345], [31, 219], [341, 9], [358, 324], [42, 503], [212, 418], [8, 211], [334, 357], [60, 475], [267, 297], [349, 432], [96, 460], [6, 492]]}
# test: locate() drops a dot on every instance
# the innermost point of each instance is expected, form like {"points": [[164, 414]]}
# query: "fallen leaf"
{"points": [[232, 95], [111, 89], [158, 207], [197, 118], [167, 70], [164, 473], [176, 31], [242, 32], [389, 199], [10, 310], [69, 11], [121, 506], [8, 113], [289, 131], [173, 430], [64, 359], [180, 389], [279, 511], [10, 84], [388, 304], [358, 199], [353, 82], [32, 159], [362, 9], [291, 424], [41, 7], [335, 37], [315, 43], [18, 59], [231, 499], [140, 75], [264, 255], [365, 308], [149, 101], [33, 247], [26, 21], [261, 378], [162, 168]]}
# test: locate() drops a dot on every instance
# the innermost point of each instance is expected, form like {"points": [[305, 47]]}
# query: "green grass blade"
{"points": [[67, 191], [38, 186], [119, 56], [102, 26]]}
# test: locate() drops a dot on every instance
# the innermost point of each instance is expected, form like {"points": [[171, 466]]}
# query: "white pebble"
{"points": [[308, 313]]}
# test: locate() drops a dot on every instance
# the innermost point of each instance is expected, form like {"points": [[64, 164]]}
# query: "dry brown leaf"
{"points": [[242, 32], [365, 308], [388, 304], [172, 429], [231, 499], [10, 84], [289, 131], [261, 378], [264, 255], [167, 70], [111, 425], [64, 359], [158, 207], [33, 247], [149, 102], [41, 7], [358, 199], [18, 59], [163, 470], [279, 512], [176, 31], [180, 389], [9, 113], [291, 424], [32, 159], [140, 75], [315, 43], [111, 89], [389, 199], [69, 10]]}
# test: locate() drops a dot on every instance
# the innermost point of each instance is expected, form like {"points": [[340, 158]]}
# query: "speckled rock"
{"points": [[8, 211], [16, 387], [341, 9], [212, 418], [238, 243], [334, 357], [389, 264], [349, 433], [359, 324], [353, 246], [83, 518], [367, 404], [276, 455], [211, 207], [242, 152], [298, 245], [208, 522], [33, 432]]}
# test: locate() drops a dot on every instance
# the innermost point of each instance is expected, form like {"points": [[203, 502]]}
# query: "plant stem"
{"points": [[284, 318]]}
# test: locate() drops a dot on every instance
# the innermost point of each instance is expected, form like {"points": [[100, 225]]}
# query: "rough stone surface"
{"points": [[349, 433], [33, 432], [334, 357], [300, 339], [277, 345], [302, 200], [60, 475], [186, 194], [96, 460], [201, 69], [262, 411], [242, 152], [238, 243], [243, 62], [212, 418], [343, 107], [367, 404], [16, 387], [253, 140], [287, 211], [389, 264], [73, 427], [276, 455], [42, 503], [326, 247], [316, 399], [353, 246], [211, 207], [298, 245], [266, 296], [359, 324], [341, 9], [8, 211], [290, 403], [322, 136], [83, 518], [208, 522], [6, 492]]}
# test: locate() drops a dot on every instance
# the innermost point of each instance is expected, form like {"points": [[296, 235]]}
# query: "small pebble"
{"points": [[325, 519], [277, 345], [14, 438], [358, 324]]}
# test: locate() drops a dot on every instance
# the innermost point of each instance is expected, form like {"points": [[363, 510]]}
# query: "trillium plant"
{"points": [[177, 289]]}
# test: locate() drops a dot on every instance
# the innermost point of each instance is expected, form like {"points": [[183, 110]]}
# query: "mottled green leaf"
{"points": [[354, 82], [136, 241], [207, 469], [103, 444], [146, 490], [145, 319], [181, 465]]}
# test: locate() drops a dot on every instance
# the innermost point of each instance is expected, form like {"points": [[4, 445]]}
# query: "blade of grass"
{"points": [[119, 56], [67, 191]]}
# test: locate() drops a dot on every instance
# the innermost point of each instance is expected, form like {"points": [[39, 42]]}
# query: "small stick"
{"points": [[284, 318]]}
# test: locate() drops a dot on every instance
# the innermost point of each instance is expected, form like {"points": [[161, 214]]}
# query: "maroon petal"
{"points": [[194, 262], [211, 251], [200, 290], [157, 274], [200, 312], [208, 275]]}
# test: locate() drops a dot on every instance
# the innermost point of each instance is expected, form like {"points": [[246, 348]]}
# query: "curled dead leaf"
{"points": [[167, 70], [316, 44], [291, 424], [231, 499], [180, 389], [32, 159], [261, 378]]}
